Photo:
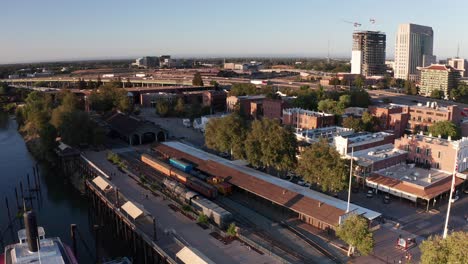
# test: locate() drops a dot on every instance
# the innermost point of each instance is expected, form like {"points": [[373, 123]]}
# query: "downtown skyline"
{"points": [[54, 30]]}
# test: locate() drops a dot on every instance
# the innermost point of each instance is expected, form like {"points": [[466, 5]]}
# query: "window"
{"points": [[407, 148], [439, 155], [418, 150], [436, 165], [428, 152]]}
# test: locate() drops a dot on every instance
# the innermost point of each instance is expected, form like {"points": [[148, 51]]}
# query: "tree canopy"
{"points": [[197, 79], [445, 129], [355, 231], [437, 94], [227, 134], [322, 165], [109, 97], [453, 249], [239, 89], [268, 144]]}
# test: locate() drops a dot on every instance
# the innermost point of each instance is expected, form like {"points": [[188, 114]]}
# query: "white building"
{"points": [[368, 54], [414, 48], [459, 64]]}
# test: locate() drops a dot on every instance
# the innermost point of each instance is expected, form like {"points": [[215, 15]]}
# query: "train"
{"points": [[188, 180], [217, 214]]}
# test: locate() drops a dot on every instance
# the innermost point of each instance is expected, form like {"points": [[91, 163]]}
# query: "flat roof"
{"points": [[328, 133], [416, 176], [288, 194], [304, 111], [371, 155], [365, 137]]}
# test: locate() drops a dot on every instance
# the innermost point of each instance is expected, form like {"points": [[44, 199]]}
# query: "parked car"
{"points": [[301, 183], [370, 194], [307, 184], [386, 199]]}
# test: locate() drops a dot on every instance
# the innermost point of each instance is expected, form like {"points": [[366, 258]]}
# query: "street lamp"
{"points": [[350, 178], [455, 167]]}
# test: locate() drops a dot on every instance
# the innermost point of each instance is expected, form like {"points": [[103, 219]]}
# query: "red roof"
{"points": [[439, 67], [297, 202]]}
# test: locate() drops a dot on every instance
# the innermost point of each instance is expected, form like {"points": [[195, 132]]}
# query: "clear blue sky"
{"points": [[46, 30]]}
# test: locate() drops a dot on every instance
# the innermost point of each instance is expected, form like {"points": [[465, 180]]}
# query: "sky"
{"points": [[49, 30]]}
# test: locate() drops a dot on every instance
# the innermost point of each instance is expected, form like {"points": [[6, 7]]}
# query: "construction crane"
{"points": [[355, 24]]}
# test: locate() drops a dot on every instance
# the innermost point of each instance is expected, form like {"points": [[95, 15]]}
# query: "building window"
{"points": [[439, 155], [428, 152], [407, 148], [418, 150], [436, 165]]}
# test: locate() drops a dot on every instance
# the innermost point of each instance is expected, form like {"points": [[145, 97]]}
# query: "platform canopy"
{"points": [[192, 256], [132, 210], [102, 184]]}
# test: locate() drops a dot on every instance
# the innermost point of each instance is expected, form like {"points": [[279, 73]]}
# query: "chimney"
{"points": [[31, 231]]}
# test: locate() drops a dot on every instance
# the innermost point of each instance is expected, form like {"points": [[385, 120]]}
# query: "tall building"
{"points": [[438, 77], [368, 55], [414, 47], [459, 64]]}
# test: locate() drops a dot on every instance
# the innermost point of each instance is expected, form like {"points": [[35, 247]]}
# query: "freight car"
{"points": [[183, 166], [217, 214], [207, 190], [191, 182], [156, 164]]}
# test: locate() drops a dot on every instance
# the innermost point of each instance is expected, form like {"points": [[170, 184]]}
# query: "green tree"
{"points": [[163, 108], [197, 80], [305, 87], [359, 81], [47, 136], [370, 123], [239, 89], [353, 123], [306, 100], [268, 144], [231, 230], [437, 94], [215, 84], [4, 88], [110, 97], [355, 231], [330, 106], [360, 98], [436, 250], [81, 84], [344, 101], [76, 128], [460, 94], [410, 88], [227, 134], [321, 164], [445, 129], [179, 108]]}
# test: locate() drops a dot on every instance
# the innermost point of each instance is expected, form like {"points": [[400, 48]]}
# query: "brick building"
{"points": [[249, 106], [273, 108], [305, 119], [391, 118], [216, 100]]}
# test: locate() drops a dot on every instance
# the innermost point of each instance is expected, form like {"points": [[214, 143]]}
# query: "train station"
{"points": [[315, 208]]}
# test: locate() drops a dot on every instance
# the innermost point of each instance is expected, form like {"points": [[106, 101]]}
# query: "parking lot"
{"points": [[175, 127]]}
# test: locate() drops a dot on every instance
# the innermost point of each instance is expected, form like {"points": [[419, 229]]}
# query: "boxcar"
{"points": [[183, 166], [201, 187], [156, 164]]}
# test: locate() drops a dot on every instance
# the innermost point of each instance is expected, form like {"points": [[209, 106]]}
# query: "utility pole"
{"points": [[350, 178], [455, 167]]}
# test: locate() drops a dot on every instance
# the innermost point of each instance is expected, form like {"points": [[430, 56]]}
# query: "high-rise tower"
{"points": [[368, 55]]}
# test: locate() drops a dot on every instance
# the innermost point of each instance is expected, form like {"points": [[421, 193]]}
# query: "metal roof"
{"points": [[132, 210]]}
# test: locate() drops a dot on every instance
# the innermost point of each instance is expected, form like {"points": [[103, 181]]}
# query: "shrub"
{"points": [[231, 230], [202, 219]]}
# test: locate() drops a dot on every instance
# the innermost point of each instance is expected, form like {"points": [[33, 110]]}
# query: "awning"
{"points": [[132, 210], [102, 184], [192, 256]]}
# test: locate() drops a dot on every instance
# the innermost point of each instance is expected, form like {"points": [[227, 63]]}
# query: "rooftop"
{"points": [[365, 137], [313, 135], [285, 193], [439, 67], [290, 111], [371, 155], [410, 174]]}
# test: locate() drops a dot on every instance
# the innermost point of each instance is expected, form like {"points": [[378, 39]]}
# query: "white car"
{"points": [[301, 183], [454, 199]]}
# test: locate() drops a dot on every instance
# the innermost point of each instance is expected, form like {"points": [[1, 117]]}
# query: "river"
{"points": [[61, 204]]}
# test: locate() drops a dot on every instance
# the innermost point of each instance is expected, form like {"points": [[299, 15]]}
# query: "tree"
{"points": [[306, 100], [355, 231], [435, 249], [99, 81], [360, 98], [410, 88], [445, 129], [321, 164], [359, 81], [110, 97], [330, 106], [179, 108], [370, 123], [305, 87], [197, 80], [344, 101], [4, 88], [268, 144], [215, 84], [162, 108], [353, 123], [240, 89], [437, 94], [460, 94], [231, 230], [227, 134]]}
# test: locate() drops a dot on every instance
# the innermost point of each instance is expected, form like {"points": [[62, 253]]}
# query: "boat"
{"points": [[33, 247]]}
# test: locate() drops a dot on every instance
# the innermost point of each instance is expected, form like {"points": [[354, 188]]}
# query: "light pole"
{"points": [[455, 167], [350, 178]]}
